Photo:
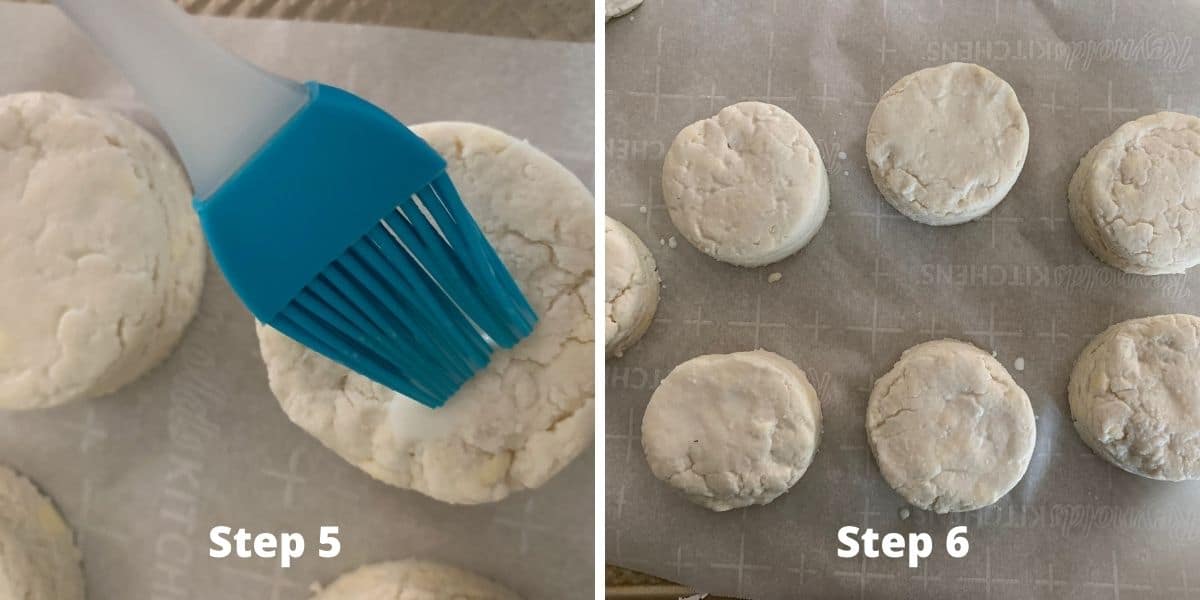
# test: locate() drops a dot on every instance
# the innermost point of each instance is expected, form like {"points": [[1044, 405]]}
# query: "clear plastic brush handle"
{"points": [[217, 109]]}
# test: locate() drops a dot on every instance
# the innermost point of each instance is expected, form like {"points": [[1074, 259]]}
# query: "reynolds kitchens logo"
{"points": [[1168, 50]]}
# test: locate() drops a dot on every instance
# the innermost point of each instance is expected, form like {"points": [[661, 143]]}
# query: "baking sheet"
{"points": [[144, 474], [872, 283]]}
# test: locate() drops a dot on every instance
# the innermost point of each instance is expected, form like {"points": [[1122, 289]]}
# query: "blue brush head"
{"points": [[345, 233]]}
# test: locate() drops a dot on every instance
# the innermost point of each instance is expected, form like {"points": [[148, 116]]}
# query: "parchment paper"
{"points": [[143, 475], [872, 283]]}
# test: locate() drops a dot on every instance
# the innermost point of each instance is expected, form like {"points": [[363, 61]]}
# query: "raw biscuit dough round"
{"points": [[413, 580], [530, 411], [101, 256], [617, 8], [732, 430], [38, 557], [950, 429], [630, 287], [746, 186], [946, 144], [1135, 396], [1135, 198]]}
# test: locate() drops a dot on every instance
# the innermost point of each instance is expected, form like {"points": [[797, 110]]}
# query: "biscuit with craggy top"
{"points": [[946, 144], [732, 430], [101, 256], [527, 414], [1135, 396], [949, 428], [1135, 198], [747, 186], [630, 287]]}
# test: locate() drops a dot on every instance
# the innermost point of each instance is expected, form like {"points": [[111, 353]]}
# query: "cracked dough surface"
{"points": [[747, 186], [732, 430], [530, 411], [950, 429], [616, 8], [413, 580], [1135, 198], [38, 557], [946, 144], [630, 287], [1135, 396], [101, 256]]}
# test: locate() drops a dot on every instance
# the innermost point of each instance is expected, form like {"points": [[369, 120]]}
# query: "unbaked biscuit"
{"points": [[1135, 198], [38, 557], [530, 411], [1135, 396], [617, 8], [101, 255], [413, 580], [946, 144], [630, 287], [747, 186], [950, 429], [732, 430]]}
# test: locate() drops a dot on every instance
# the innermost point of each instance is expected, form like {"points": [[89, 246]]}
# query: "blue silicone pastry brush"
{"points": [[332, 221]]}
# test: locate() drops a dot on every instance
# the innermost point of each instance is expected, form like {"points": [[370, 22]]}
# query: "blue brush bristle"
{"points": [[309, 234], [418, 304]]}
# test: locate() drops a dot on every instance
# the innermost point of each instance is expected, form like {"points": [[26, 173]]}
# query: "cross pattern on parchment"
{"points": [[657, 72], [1185, 589], [699, 321], [1053, 104], [884, 50], [1052, 219], [1050, 581], [741, 566], [1116, 585], [874, 328], [629, 436], [1108, 109], [758, 324], [933, 331], [90, 431], [924, 577], [879, 215], [87, 522], [802, 570], [678, 563], [621, 500], [992, 219], [883, 87], [862, 574], [770, 97], [1171, 105], [987, 580], [816, 326], [291, 478], [823, 98], [879, 272], [277, 580], [991, 333], [658, 95], [1112, 320], [524, 525], [1053, 334], [648, 209]]}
